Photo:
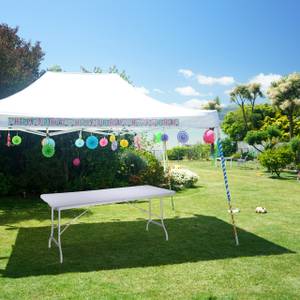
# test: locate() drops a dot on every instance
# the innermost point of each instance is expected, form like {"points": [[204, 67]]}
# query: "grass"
{"points": [[109, 255]]}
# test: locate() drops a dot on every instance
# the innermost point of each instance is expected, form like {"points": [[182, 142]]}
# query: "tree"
{"points": [[255, 92], [55, 68], [285, 96], [213, 105], [19, 61], [240, 95], [112, 70]]}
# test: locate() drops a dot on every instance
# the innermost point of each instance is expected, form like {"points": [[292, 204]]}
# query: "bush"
{"points": [[229, 147], [182, 178], [276, 159], [177, 153], [5, 185]]}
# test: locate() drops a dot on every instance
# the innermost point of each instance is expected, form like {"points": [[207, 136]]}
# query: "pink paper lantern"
{"points": [[76, 162], [209, 136], [103, 142]]}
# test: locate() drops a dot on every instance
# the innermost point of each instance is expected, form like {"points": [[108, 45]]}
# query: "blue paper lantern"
{"points": [[182, 137], [164, 137], [92, 142], [48, 141], [114, 145], [79, 143]]}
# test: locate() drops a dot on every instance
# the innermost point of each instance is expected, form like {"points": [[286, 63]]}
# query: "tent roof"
{"points": [[93, 96]]}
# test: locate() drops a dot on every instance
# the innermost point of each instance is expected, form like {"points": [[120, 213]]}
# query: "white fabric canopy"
{"points": [[58, 101]]}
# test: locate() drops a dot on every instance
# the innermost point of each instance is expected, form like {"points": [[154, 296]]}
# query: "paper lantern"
{"points": [[76, 162], [16, 140], [92, 142], [157, 137], [112, 138], [48, 150], [79, 143], [48, 141], [137, 142], [124, 143], [209, 136], [103, 142], [182, 137], [8, 140], [164, 137], [114, 146]]}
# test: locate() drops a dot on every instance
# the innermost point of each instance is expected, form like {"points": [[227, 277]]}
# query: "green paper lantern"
{"points": [[16, 140], [48, 150], [157, 137]]}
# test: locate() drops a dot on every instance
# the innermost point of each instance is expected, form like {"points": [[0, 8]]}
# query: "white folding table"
{"points": [[64, 201]]}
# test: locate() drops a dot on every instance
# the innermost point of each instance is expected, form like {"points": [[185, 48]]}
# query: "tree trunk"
{"points": [[244, 117]]}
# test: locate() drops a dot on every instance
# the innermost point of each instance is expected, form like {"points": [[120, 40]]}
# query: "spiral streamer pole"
{"points": [[220, 148]]}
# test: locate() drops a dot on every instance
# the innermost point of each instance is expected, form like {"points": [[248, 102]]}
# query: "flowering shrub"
{"points": [[181, 178]]}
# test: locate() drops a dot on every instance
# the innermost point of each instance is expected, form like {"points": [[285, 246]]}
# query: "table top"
{"points": [[104, 196]]}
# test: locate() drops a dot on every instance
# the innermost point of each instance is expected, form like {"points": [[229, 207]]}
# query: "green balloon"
{"points": [[16, 140], [48, 150], [157, 137]]}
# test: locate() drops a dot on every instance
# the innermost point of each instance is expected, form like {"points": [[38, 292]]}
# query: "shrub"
{"points": [[177, 153], [229, 147], [5, 185], [276, 159], [295, 146], [181, 178]]}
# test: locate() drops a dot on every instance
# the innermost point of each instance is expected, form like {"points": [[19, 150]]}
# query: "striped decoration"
{"points": [[220, 148]]}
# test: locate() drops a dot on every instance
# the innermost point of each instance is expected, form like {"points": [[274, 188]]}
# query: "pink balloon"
{"points": [[103, 142], [76, 162], [209, 136]]}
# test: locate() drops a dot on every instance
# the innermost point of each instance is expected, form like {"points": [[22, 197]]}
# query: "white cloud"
{"points": [[265, 80], [142, 90], [186, 73], [195, 103], [186, 91], [208, 80], [158, 91]]}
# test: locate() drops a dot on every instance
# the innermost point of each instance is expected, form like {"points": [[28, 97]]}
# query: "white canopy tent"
{"points": [[59, 103], [72, 101]]}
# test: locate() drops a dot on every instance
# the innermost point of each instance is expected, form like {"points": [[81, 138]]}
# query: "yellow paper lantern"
{"points": [[124, 143], [112, 138]]}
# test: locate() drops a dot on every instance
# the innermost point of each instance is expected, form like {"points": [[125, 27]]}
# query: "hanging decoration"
{"points": [[92, 142], [209, 136], [124, 143], [112, 138], [79, 143], [164, 137], [76, 162], [48, 141], [8, 140], [182, 137], [48, 150], [114, 145], [103, 142], [16, 140], [137, 142], [157, 137]]}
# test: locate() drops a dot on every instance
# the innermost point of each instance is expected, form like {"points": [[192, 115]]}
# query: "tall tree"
{"points": [[240, 95], [285, 95], [19, 61], [254, 92]]}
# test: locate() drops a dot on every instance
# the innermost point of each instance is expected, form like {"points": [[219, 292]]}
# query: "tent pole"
{"points": [[227, 186]]}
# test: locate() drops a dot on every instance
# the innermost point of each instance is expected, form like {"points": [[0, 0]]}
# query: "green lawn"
{"points": [[109, 255]]}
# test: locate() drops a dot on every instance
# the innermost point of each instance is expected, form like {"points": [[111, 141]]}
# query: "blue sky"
{"points": [[177, 51]]}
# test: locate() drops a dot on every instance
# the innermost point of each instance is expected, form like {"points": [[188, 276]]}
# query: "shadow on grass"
{"points": [[115, 245]]}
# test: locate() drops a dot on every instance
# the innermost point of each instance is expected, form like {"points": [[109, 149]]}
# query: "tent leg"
{"points": [[223, 165]]}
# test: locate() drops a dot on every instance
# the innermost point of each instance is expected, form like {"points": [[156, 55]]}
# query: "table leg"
{"points": [[58, 238], [52, 228], [149, 215], [162, 218]]}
